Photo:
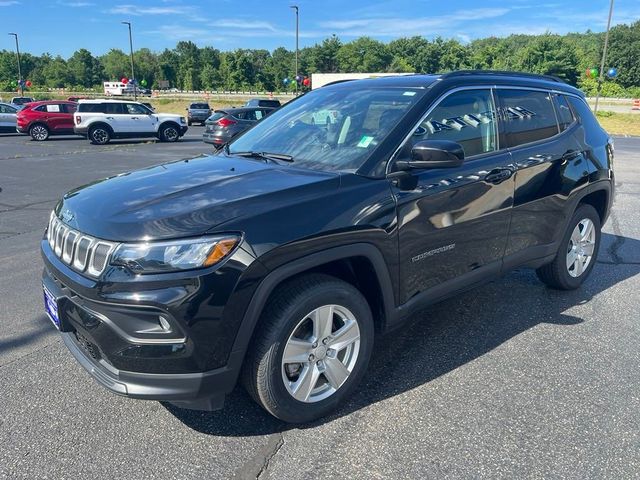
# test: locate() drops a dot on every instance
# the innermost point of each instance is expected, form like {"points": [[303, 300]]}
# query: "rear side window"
{"points": [[90, 107], [467, 117], [53, 108], [216, 116], [113, 108], [595, 133], [200, 106], [565, 115], [527, 116]]}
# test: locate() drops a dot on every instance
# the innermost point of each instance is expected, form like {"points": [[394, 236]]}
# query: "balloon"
{"points": [[612, 72], [594, 72], [143, 83], [285, 81], [306, 82], [298, 78], [132, 80], [13, 84], [28, 83], [124, 80], [588, 73]]}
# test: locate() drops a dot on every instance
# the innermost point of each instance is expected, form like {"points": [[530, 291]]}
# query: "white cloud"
{"points": [[76, 4], [400, 26], [8, 3], [138, 10], [243, 24]]}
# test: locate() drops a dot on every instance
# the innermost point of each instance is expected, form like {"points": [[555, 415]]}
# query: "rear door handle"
{"points": [[134, 118], [498, 175], [109, 118]]}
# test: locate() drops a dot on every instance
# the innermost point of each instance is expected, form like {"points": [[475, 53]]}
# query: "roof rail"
{"points": [[457, 73]]}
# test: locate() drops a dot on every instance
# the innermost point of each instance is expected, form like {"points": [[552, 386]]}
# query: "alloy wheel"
{"points": [[320, 354], [581, 247], [39, 133], [100, 135]]}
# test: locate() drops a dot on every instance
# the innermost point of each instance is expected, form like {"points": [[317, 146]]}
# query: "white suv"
{"points": [[102, 120]]}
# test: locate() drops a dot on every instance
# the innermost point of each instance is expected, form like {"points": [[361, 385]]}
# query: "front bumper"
{"points": [[111, 332], [201, 391]]}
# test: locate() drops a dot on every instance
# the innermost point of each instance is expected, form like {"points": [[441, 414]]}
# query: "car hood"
{"points": [[187, 197], [168, 116]]}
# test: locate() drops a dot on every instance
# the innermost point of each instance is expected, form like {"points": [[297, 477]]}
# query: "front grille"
{"points": [[83, 253]]}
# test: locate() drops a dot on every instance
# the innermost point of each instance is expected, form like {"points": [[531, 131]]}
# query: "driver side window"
{"points": [[467, 117]]}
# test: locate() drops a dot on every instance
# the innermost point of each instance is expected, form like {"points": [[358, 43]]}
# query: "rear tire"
{"points": [[169, 133], [39, 132], [577, 253], [99, 135], [311, 310]]}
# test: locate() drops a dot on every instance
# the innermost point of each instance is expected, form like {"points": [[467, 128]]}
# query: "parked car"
{"points": [[198, 112], [225, 124], [42, 119], [20, 102], [280, 259], [76, 99], [8, 117], [102, 120], [263, 102]]}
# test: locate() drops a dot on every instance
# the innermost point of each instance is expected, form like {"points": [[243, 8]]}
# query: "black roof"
{"points": [[464, 77]]}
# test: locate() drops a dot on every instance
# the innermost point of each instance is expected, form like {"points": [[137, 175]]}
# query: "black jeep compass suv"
{"points": [[279, 260]]}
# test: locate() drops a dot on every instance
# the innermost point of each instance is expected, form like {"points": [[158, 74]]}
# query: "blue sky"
{"points": [[63, 26]]}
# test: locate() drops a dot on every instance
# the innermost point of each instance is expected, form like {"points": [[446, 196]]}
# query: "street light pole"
{"points": [[604, 56], [133, 75], [19, 66], [295, 7]]}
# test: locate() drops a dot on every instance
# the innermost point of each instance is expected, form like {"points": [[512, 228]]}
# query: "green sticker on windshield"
{"points": [[365, 141]]}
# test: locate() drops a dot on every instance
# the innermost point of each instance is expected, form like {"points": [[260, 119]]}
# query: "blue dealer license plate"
{"points": [[51, 307]]}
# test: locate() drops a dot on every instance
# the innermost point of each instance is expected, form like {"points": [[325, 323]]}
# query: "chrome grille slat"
{"points": [[83, 253]]}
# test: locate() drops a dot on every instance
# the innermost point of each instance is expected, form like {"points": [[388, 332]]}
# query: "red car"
{"points": [[41, 119]]}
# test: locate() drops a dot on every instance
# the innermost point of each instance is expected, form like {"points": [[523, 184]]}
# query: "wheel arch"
{"points": [[360, 264], [100, 124], [166, 124]]}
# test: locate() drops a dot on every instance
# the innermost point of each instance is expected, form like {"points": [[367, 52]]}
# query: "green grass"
{"points": [[620, 123]]}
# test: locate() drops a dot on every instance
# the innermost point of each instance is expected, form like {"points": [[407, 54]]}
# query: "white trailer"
{"points": [[117, 88]]}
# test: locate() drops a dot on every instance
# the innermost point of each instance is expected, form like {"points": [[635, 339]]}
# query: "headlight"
{"points": [[174, 255], [183, 120]]}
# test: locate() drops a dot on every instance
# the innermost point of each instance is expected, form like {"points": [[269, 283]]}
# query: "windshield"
{"points": [[330, 129]]}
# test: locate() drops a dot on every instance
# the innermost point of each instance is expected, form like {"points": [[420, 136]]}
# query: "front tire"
{"points": [[39, 132], [169, 133], [311, 349], [99, 135], [578, 251]]}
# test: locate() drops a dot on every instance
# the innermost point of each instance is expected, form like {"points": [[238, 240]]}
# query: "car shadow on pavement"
{"points": [[42, 327], [440, 339]]}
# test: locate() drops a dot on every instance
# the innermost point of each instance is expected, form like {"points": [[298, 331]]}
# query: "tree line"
{"points": [[189, 67]]}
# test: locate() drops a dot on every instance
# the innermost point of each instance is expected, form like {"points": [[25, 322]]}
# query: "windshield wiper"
{"points": [[263, 155]]}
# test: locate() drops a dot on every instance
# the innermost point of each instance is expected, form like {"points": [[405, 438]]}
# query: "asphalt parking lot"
{"points": [[511, 380]]}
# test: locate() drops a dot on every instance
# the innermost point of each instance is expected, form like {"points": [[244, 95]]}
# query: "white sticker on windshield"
{"points": [[409, 94]]}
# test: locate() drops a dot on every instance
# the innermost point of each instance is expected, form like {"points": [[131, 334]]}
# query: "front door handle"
{"points": [[134, 118], [109, 118], [498, 175]]}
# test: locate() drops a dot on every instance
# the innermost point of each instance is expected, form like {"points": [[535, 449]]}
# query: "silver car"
{"points": [[8, 118]]}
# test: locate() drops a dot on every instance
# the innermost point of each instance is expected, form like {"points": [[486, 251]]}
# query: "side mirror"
{"points": [[433, 154]]}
